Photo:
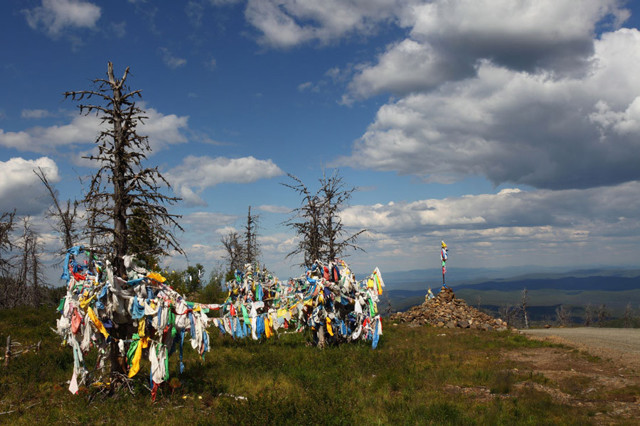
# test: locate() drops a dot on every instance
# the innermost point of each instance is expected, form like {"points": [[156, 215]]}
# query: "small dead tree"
{"points": [[603, 313], [589, 315], [251, 246], [65, 218], [309, 226], [318, 222], [29, 277], [508, 314], [524, 301], [335, 196], [563, 315], [628, 316], [7, 281], [235, 253], [6, 228]]}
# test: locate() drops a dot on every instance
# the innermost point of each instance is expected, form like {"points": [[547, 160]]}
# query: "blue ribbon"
{"points": [[137, 310], [65, 267], [376, 336], [181, 344]]}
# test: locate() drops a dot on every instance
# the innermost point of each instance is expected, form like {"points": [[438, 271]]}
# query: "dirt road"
{"points": [[618, 344]]}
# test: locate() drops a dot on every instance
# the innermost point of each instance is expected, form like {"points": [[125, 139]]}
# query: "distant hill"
{"points": [[614, 288], [462, 277], [589, 283]]}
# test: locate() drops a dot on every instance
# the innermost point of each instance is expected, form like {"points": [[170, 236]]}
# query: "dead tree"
{"points": [[29, 277], [251, 246], [122, 183], [317, 222], [524, 301], [603, 313], [65, 218], [508, 314], [6, 228], [588, 315], [8, 282], [334, 197], [308, 227], [235, 253], [628, 316], [563, 315]]}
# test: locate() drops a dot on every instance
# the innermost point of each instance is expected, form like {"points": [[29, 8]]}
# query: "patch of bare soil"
{"points": [[620, 345], [609, 390]]}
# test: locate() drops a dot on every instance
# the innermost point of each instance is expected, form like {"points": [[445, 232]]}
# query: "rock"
{"points": [[445, 310]]}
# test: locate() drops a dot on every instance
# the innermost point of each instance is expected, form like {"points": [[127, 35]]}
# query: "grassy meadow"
{"points": [[418, 375]]}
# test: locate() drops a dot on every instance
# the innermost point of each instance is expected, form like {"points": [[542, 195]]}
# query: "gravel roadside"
{"points": [[619, 344]]}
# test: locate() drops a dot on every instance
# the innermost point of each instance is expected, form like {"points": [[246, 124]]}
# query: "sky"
{"points": [[509, 129]]}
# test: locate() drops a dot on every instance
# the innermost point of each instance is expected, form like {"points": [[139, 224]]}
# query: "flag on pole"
{"points": [[443, 257]]}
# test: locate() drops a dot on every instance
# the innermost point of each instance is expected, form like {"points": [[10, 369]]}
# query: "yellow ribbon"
{"points": [[85, 302], [156, 277], [97, 322], [267, 327], [143, 343]]}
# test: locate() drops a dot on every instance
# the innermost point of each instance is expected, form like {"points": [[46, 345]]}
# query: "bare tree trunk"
{"points": [[588, 315], [628, 316], [119, 180], [321, 337], [563, 315], [602, 314], [523, 307], [65, 220], [35, 273]]}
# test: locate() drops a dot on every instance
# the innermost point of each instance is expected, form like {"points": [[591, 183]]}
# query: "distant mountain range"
{"points": [[468, 277], [613, 287]]}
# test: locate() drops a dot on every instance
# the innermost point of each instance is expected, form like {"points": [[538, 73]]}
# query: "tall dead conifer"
{"points": [[251, 247], [122, 187], [122, 183]]}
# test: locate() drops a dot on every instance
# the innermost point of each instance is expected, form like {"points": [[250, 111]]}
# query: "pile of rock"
{"points": [[445, 310]]}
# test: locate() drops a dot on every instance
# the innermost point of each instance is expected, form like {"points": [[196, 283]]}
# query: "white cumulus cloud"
{"points": [[274, 209], [162, 130], [518, 127], [448, 38], [287, 23], [21, 189], [510, 227], [195, 174], [54, 16]]}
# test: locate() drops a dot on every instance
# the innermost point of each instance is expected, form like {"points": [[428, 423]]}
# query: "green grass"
{"points": [[407, 380]]}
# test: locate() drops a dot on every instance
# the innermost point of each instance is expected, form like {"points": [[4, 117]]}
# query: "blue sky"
{"points": [[509, 129]]}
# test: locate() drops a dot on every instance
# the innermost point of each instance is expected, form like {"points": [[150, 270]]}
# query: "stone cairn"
{"points": [[446, 311]]}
